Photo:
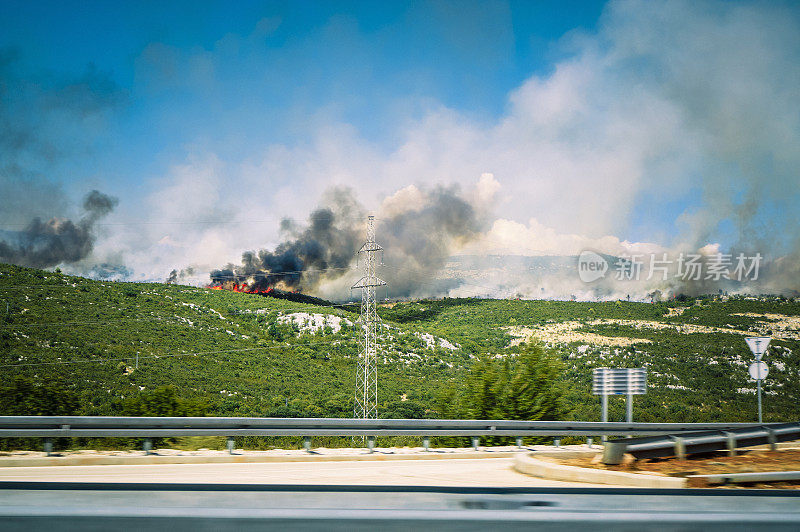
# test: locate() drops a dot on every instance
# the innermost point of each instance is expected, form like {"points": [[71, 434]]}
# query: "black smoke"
{"points": [[43, 244], [47, 119], [324, 248], [420, 238], [417, 237], [179, 275]]}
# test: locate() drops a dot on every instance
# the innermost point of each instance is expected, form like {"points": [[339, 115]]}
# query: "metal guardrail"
{"points": [[681, 445], [157, 427], [49, 427]]}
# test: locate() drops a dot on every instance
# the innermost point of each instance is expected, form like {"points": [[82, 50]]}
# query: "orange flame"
{"points": [[242, 288]]}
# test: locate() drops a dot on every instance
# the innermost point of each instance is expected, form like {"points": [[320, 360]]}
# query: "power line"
{"points": [[165, 222], [78, 323], [166, 355], [275, 274], [226, 276], [176, 222], [435, 283]]}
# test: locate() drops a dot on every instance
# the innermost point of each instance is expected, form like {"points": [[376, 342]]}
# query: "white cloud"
{"points": [[666, 97]]}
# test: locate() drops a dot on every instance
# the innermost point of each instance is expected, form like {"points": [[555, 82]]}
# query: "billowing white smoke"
{"points": [[680, 120]]}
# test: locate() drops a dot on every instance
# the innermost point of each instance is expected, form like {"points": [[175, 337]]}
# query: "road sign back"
{"points": [[758, 371], [758, 345]]}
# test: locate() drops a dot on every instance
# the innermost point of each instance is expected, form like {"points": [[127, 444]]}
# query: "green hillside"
{"points": [[225, 353], [694, 350], [69, 345]]}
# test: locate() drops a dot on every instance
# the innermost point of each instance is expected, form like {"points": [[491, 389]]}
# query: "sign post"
{"points": [[758, 370], [619, 381]]}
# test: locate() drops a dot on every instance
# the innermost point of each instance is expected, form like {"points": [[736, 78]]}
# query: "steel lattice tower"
{"points": [[366, 404]]}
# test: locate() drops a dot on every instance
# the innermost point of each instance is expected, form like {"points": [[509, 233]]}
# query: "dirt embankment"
{"points": [[755, 461]]}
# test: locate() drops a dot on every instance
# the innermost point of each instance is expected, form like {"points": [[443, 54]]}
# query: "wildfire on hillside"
{"points": [[243, 287]]}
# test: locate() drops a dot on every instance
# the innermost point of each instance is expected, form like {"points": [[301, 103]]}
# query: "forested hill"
{"points": [[69, 345], [210, 351]]}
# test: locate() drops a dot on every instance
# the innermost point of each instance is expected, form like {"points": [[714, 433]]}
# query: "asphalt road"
{"points": [[484, 472], [133, 507]]}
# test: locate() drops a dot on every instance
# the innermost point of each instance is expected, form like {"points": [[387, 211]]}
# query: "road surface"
{"points": [[484, 472]]}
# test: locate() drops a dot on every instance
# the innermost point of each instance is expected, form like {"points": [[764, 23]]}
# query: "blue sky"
{"points": [[665, 123], [363, 63]]}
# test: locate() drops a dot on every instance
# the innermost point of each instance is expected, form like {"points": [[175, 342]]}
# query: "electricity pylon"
{"points": [[366, 404]]}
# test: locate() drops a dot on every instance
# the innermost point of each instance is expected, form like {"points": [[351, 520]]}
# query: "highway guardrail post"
{"points": [[48, 446], [731, 443], [771, 439], [147, 446], [680, 447], [519, 442], [588, 442], [475, 442], [557, 442], [371, 444], [613, 452], [426, 442], [307, 443], [231, 444]]}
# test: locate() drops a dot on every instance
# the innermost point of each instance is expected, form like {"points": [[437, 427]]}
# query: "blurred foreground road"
{"points": [[484, 472], [459, 495]]}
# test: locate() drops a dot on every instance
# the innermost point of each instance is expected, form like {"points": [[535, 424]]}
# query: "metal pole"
{"points": [[605, 410], [758, 383], [629, 404]]}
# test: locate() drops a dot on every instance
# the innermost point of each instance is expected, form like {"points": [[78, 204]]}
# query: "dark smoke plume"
{"points": [[322, 249], [179, 275], [418, 237], [44, 244]]}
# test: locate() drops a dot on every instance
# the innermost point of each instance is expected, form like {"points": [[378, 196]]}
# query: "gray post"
{"points": [[426, 442], [771, 439], [557, 442], [629, 404], [147, 445], [758, 383], [588, 442], [519, 442], [48, 447], [371, 443], [307, 443], [731, 438], [605, 411], [680, 447], [614, 452], [231, 444], [475, 442]]}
